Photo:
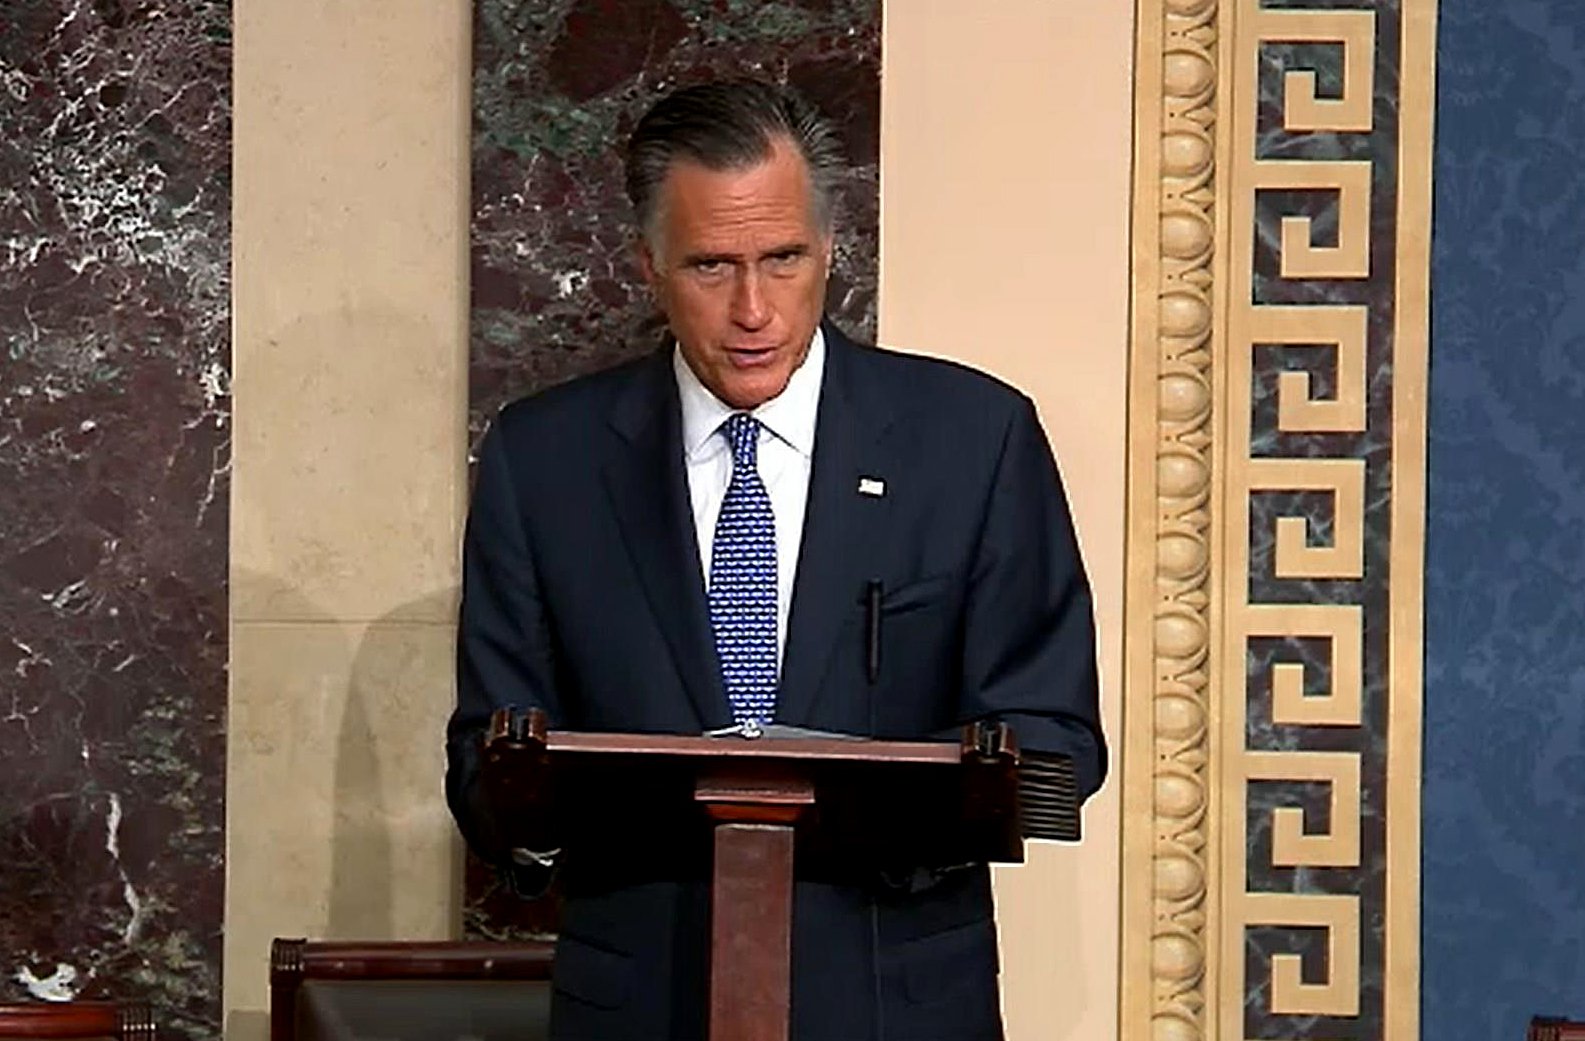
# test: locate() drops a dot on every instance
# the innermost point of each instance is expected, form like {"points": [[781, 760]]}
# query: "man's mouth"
{"points": [[747, 357]]}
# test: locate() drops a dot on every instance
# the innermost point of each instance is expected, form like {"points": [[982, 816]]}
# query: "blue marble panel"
{"points": [[1376, 293]]}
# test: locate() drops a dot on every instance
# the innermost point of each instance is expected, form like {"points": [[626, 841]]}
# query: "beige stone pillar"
{"points": [[348, 474], [1005, 148]]}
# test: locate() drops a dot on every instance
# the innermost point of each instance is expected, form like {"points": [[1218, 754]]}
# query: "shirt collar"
{"points": [[790, 415]]}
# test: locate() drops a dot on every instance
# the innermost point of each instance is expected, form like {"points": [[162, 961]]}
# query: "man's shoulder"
{"points": [[928, 381]]}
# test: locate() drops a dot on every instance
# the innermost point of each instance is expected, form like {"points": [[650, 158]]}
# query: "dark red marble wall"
{"points": [[557, 86], [114, 438]]}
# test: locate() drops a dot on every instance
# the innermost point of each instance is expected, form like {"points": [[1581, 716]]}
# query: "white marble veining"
{"points": [[60, 985]]}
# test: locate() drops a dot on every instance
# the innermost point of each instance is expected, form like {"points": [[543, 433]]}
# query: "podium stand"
{"points": [[761, 802]]}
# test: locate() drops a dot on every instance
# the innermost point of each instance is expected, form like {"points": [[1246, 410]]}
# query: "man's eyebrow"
{"points": [[783, 250], [711, 258]]}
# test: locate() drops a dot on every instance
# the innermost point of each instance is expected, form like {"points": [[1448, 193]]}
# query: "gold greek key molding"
{"points": [[1291, 844], [1338, 916], [1344, 328], [1301, 258], [1249, 718], [1344, 480], [1303, 109]]}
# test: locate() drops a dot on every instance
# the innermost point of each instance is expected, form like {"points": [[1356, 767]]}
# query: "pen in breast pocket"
{"points": [[872, 629]]}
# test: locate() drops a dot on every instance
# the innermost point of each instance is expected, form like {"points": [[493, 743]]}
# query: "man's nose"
{"points": [[749, 307]]}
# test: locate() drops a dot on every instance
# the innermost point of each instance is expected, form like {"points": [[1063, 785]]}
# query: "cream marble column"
{"points": [[1005, 151], [348, 480]]}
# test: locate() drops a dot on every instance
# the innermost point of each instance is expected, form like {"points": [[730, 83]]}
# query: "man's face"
{"points": [[741, 272]]}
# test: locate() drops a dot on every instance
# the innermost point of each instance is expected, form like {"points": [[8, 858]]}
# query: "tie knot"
{"points": [[742, 433]]}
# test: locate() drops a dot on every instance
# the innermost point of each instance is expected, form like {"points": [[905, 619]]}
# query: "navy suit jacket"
{"points": [[583, 594]]}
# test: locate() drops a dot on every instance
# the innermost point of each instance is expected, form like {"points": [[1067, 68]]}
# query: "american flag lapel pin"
{"points": [[872, 486]]}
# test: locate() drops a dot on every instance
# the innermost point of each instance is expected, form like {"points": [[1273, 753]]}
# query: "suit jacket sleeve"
{"points": [[504, 651], [1029, 638]]}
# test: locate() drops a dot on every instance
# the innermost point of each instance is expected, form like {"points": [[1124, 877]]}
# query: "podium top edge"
{"points": [[763, 748]]}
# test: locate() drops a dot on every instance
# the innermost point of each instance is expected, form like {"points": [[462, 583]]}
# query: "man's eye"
{"points": [[709, 267]]}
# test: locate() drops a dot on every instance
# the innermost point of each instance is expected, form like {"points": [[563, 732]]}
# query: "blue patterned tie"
{"points": [[743, 580]]}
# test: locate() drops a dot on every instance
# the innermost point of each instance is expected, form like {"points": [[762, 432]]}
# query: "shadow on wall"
{"points": [[247, 1025], [361, 842], [361, 704], [372, 820], [340, 479]]}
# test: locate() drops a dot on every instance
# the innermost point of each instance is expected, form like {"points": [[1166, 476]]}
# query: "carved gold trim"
{"points": [[1168, 848], [1192, 473]]}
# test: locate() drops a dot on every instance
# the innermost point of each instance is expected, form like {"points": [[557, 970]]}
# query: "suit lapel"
{"points": [[840, 526], [648, 488]]}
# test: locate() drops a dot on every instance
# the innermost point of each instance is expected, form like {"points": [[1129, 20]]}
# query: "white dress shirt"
{"points": [[786, 451]]}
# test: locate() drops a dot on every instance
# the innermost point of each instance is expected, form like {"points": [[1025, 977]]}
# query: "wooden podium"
{"points": [[761, 801]]}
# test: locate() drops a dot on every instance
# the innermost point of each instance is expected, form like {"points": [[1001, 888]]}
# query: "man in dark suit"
{"points": [[691, 542]]}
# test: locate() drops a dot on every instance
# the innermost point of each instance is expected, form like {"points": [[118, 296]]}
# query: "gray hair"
{"points": [[728, 125]]}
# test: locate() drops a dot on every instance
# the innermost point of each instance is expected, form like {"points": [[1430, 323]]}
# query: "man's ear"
{"points": [[647, 265]]}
